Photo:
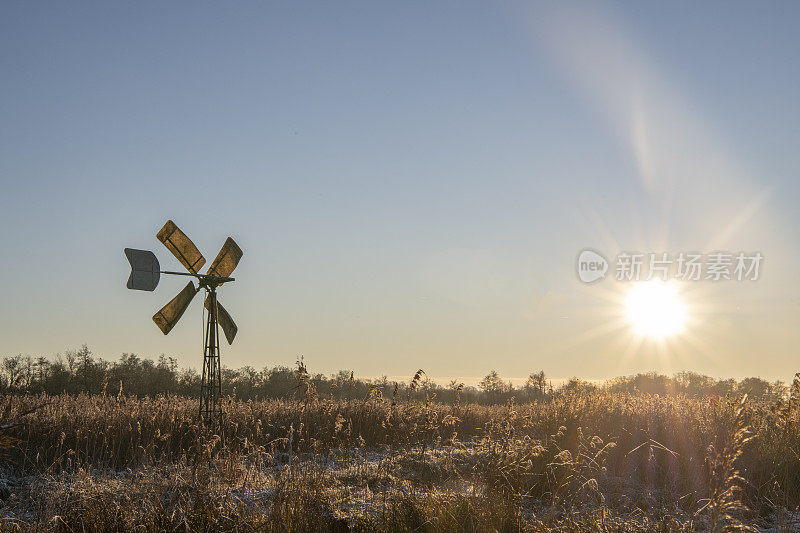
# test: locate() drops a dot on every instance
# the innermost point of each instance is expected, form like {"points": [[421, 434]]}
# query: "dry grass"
{"points": [[589, 461]]}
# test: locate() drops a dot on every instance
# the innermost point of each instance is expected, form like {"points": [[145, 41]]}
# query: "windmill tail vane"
{"points": [[145, 275]]}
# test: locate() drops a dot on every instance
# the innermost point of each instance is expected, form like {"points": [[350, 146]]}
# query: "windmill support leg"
{"points": [[211, 386]]}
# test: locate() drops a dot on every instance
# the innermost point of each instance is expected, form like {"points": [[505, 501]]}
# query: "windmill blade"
{"points": [[181, 247], [145, 271], [224, 319], [226, 260], [168, 316]]}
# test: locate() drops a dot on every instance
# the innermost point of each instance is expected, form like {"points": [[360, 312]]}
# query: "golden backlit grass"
{"points": [[585, 460]]}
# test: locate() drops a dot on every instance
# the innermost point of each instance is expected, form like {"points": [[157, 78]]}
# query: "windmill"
{"points": [[145, 275]]}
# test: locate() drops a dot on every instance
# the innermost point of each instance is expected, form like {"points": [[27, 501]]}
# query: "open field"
{"points": [[301, 266], [584, 461]]}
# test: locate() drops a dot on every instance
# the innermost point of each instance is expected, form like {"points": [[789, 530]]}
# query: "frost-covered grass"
{"points": [[586, 461]]}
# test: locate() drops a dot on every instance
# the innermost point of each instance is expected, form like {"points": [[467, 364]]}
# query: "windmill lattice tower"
{"points": [[145, 275]]}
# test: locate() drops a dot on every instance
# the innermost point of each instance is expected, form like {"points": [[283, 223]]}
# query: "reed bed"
{"points": [[589, 460]]}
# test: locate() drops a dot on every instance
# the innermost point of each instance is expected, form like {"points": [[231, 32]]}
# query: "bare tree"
{"points": [[85, 357], [13, 367], [41, 366], [536, 385]]}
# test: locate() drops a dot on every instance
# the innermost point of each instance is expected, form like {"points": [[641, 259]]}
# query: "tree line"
{"points": [[79, 371]]}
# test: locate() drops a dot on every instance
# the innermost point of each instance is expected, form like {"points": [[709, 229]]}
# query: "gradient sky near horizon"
{"points": [[410, 182]]}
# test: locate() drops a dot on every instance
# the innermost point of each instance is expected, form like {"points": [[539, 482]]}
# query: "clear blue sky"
{"points": [[410, 182]]}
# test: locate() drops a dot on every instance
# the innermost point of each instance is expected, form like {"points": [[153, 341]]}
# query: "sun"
{"points": [[655, 309]]}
